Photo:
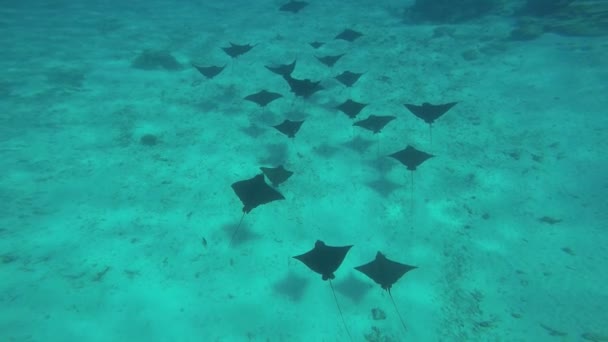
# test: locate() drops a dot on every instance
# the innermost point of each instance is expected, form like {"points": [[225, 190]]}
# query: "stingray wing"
{"points": [[256, 98], [418, 157], [393, 270], [285, 128], [433, 112], [417, 111], [374, 271], [366, 123], [311, 260]]}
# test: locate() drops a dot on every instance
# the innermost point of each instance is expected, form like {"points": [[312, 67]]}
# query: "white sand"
{"points": [[81, 195]]}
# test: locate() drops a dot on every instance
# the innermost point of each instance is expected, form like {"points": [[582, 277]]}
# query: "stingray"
{"points": [[325, 260], [263, 98], [411, 158], [351, 108], [348, 78], [316, 44], [349, 35], [283, 69], [235, 50], [303, 88], [429, 113], [386, 272], [293, 6], [209, 71], [330, 60], [289, 128], [375, 123], [276, 175], [253, 193]]}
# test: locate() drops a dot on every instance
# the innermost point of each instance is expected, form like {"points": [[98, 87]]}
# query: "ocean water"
{"points": [[119, 222]]}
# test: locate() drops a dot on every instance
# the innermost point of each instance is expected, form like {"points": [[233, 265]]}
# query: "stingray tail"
{"points": [[397, 311], [350, 338], [237, 228], [412, 197]]}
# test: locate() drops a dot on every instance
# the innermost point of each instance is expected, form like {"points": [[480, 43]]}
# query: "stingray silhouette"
{"points": [[293, 6], [263, 98], [276, 175], [254, 192], [330, 60], [325, 260], [429, 113], [386, 272], [348, 78], [302, 87], [411, 158], [351, 108], [349, 35], [289, 128], [316, 44], [375, 123], [236, 50], [209, 71], [282, 69]]}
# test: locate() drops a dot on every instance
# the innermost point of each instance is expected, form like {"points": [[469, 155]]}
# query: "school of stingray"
{"points": [[256, 191]]}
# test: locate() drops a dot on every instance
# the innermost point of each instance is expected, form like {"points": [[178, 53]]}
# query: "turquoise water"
{"points": [[117, 211]]}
